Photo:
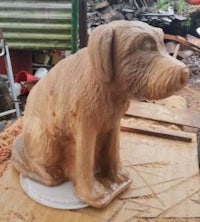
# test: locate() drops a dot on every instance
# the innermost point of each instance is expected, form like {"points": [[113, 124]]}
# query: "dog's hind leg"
{"points": [[35, 154], [20, 162]]}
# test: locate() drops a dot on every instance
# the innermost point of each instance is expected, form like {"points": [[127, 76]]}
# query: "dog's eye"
{"points": [[148, 45]]}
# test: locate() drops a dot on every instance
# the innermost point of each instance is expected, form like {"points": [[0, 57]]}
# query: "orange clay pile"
{"points": [[6, 140]]}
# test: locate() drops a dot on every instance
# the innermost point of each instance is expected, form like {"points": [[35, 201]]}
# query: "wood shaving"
{"points": [[6, 140]]}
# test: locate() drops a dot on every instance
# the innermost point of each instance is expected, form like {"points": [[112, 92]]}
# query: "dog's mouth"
{"points": [[164, 84]]}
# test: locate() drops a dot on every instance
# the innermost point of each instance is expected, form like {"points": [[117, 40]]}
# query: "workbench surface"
{"points": [[165, 187]]}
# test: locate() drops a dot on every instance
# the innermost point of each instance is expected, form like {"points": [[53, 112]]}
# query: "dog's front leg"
{"points": [[111, 165], [86, 187]]}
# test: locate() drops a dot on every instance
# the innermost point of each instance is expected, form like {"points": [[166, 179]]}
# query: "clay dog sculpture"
{"points": [[72, 116]]}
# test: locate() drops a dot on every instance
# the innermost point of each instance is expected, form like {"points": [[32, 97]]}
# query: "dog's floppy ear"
{"points": [[100, 52]]}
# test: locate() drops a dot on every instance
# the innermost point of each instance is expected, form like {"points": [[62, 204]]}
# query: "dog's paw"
{"points": [[98, 191], [91, 193], [118, 176]]}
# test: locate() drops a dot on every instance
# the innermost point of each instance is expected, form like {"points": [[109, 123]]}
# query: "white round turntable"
{"points": [[60, 197]]}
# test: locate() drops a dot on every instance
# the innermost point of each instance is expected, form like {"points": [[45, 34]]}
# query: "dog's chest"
{"points": [[109, 116]]}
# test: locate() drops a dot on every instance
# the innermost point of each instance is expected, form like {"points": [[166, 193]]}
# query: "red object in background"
{"points": [[24, 76], [20, 60], [193, 2]]}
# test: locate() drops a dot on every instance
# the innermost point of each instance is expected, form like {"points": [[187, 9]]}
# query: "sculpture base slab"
{"points": [[113, 191], [59, 197]]}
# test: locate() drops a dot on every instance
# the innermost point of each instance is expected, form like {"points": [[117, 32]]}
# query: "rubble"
{"points": [[189, 53], [5, 97], [193, 62], [105, 12], [189, 47]]}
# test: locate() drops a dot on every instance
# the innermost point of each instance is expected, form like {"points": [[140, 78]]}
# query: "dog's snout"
{"points": [[184, 75]]}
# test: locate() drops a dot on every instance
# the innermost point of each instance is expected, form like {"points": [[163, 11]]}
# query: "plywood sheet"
{"points": [[166, 114], [165, 187]]}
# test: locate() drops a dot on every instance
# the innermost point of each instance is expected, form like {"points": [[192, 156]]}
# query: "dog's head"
{"points": [[132, 56]]}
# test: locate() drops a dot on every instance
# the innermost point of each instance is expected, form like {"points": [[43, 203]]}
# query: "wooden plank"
{"points": [[192, 39], [158, 112], [165, 187], [183, 41], [173, 135]]}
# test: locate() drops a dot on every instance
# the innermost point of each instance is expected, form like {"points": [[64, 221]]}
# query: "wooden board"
{"points": [[165, 187], [165, 114]]}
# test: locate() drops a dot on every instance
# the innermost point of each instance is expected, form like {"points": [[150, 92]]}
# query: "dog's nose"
{"points": [[184, 75]]}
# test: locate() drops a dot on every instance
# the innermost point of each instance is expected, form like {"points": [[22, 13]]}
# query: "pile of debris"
{"points": [[184, 47], [193, 62], [105, 12], [188, 50]]}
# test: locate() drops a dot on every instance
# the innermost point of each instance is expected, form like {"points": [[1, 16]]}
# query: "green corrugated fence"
{"points": [[37, 24]]}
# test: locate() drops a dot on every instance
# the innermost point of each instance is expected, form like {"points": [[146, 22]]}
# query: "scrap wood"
{"points": [[176, 50], [192, 39], [166, 134], [182, 41]]}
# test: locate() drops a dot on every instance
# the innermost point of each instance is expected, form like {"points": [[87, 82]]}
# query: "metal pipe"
{"points": [[83, 23], [2, 47], [7, 112], [11, 79], [74, 25]]}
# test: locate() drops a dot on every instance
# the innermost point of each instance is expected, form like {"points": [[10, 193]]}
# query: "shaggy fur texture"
{"points": [[72, 117]]}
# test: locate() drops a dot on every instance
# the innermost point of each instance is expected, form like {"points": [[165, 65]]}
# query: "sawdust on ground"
{"points": [[6, 140], [191, 93]]}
